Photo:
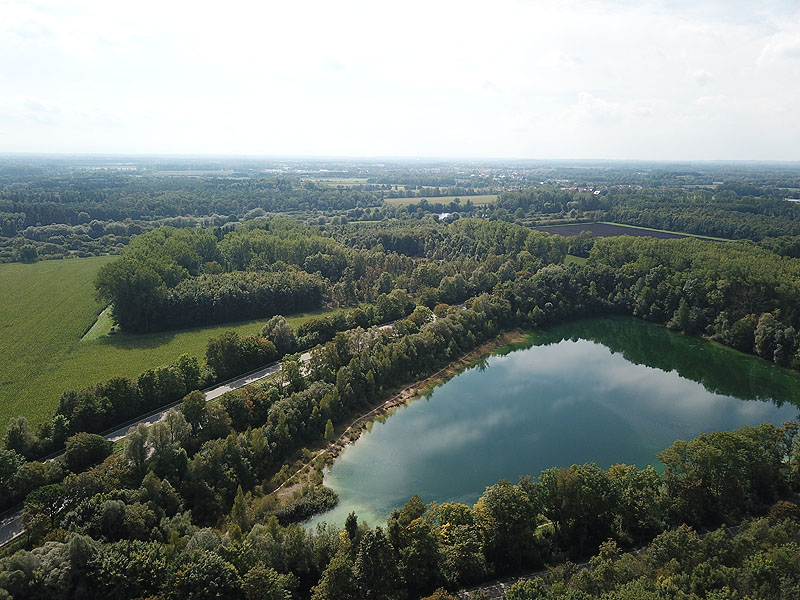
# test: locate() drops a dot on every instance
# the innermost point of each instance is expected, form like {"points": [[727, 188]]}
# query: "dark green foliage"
{"points": [[230, 354], [216, 460], [84, 450]]}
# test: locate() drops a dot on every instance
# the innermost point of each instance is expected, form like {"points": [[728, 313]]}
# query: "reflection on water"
{"points": [[604, 390]]}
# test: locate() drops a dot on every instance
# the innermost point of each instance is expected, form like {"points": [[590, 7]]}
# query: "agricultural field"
{"points": [[47, 308], [477, 200], [337, 181], [612, 229]]}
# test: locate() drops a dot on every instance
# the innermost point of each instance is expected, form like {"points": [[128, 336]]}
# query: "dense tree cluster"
{"points": [[176, 278], [759, 560], [190, 498], [743, 296], [109, 527], [740, 294]]}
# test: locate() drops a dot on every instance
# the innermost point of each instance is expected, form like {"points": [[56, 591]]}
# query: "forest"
{"points": [[186, 508]]}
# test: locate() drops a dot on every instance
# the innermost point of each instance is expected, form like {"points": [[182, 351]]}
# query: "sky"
{"points": [[613, 79]]}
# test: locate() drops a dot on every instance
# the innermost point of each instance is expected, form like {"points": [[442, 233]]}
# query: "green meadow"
{"points": [[53, 340], [478, 200]]}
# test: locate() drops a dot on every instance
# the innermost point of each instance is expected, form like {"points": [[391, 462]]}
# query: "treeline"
{"points": [[271, 424], [568, 512], [759, 559], [170, 278], [101, 406], [98, 407], [186, 472], [732, 211], [742, 296], [711, 221], [60, 198], [27, 243], [138, 540], [474, 238]]}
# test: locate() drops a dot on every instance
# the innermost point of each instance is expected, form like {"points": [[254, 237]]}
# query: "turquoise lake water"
{"points": [[608, 390]]}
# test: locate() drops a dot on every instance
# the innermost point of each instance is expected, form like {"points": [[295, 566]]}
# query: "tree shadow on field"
{"points": [[138, 341]]}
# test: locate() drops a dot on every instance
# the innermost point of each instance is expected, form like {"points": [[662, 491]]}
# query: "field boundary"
{"points": [[666, 233], [694, 235]]}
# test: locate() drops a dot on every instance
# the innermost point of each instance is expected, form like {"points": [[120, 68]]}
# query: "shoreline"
{"points": [[312, 468]]}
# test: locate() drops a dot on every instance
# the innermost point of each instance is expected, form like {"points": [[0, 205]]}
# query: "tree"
{"points": [[765, 333], [86, 449], [280, 333], [291, 376], [28, 254], [375, 568], [681, 320], [10, 464], [131, 568], [440, 594], [201, 575], [194, 410], [528, 589], [239, 511], [265, 583], [41, 508], [134, 289], [136, 447], [337, 581], [507, 518], [189, 368], [329, 433], [18, 436]]}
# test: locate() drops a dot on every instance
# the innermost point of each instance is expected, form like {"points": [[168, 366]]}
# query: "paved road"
{"points": [[216, 392], [11, 527]]}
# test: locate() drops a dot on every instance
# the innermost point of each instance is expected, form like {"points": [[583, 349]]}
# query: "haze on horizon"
{"points": [[605, 79]]}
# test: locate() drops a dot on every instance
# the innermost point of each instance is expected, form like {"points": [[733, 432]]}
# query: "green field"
{"points": [[578, 260], [482, 199], [46, 309]]}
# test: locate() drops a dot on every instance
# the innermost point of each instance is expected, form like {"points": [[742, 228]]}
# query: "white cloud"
{"points": [[515, 78], [702, 77], [783, 45]]}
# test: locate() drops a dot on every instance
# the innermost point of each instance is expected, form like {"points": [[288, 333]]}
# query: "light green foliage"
{"points": [[480, 199], [265, 583], [203, 575]]}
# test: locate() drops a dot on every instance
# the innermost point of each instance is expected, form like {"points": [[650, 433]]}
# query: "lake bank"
{"points": [[562, 400]]}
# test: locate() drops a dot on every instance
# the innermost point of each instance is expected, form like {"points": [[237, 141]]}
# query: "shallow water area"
{"points": [[608, 390]]}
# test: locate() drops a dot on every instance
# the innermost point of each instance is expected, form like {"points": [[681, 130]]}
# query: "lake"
{"points": [[608, 390]]}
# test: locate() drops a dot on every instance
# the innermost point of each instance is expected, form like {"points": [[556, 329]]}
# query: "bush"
{"points": [[86, 449]]}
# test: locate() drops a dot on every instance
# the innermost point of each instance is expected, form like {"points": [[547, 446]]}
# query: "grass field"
{"points": [[483, 199], [46, 309], [578, 260]]}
